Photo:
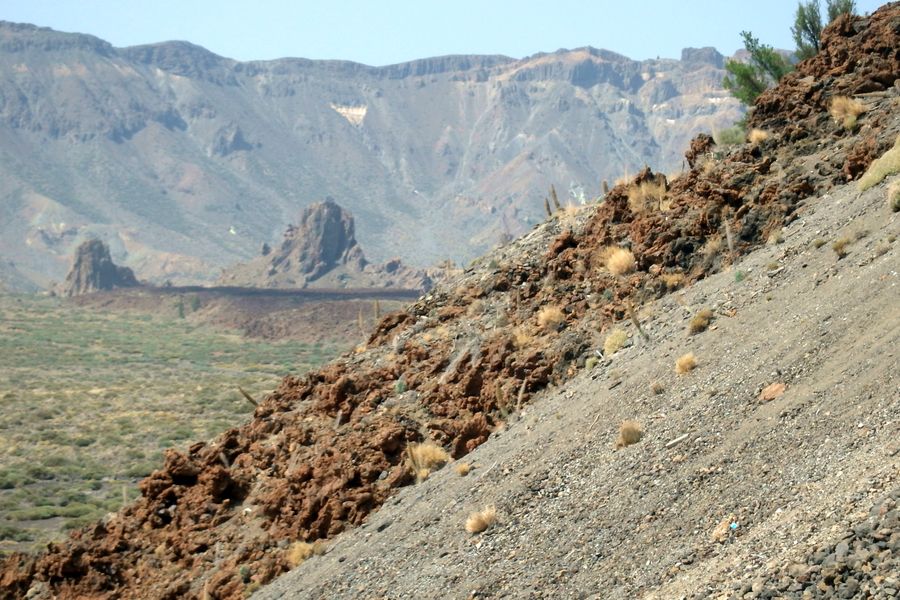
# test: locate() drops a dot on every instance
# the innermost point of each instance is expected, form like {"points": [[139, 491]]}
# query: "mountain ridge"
{"points": [[161, 150]]}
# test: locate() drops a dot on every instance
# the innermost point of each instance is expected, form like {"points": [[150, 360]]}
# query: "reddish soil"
{"points": [[323, 451]]}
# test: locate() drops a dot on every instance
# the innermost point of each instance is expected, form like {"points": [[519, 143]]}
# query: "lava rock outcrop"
{"points": [[93, 270]]}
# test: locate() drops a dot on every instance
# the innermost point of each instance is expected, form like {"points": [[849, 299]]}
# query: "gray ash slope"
{"points": [[184, 162], [811, 479]]}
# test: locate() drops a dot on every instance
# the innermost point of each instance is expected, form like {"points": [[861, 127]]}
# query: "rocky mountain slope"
{"points": [[185, 162], [322, 251], [736, 482]]}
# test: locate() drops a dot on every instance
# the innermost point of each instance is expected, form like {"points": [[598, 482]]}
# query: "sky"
{"points": [[390, 31]]}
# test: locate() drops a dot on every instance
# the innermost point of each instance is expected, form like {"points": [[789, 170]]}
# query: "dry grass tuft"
{"points": [[463, 469], [550, 317], [521, 338], [840, 247], [422, 459], [481, 520], [619, 261], [685, 363], [818, 243], [614, 342], [887, 164], [700, 321], [630, 432], [893, 196], [846, 110], [657, 388], [758, 136], [672, 280], [644, 196], [300, 551]]}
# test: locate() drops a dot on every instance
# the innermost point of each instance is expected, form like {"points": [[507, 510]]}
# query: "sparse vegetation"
{"points": [[614, 342], [657, 388], [685, 363], [300, 551], [91, 399], [463, 469], [700, 322], [646, 196], [818, 243], [730, 136], [630, 432], [550, 318], [840, 247], [619, 261], [807, 28], [481, 520], [422, 459], [893, 196], [672, 280], [887, 164], [846, 110], [758, 136]]}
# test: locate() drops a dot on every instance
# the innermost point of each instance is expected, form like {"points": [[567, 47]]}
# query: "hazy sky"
{"points": [[390, 31]]}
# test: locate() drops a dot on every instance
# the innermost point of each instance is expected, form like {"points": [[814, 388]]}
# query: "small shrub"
{"points": [[846, 110], [893, 196], [630, 432], [647, 195], [700, 321], [619, 261], [481, 520], [521, 338], [300, 551], [887, 164], [739, 276], [590, 363], [463, 469], [758, 136], [729, 137], [840, 247], [614, 342], [818, 243], [685, 363], [550, 317], [400, 386], [422, 459], [672, 280], [657, 388]]}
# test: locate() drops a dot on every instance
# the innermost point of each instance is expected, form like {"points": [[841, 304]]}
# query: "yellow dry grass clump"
{"points": [[521, 338], [672, 280], [887, 164], [840, 246], [893, 196], [614, 341], [481, 520], [758, 136], [630, 432], [300, 551], [846, 110], [550, 317], [463, 469], [647, 195], [618, 261], [422, 459], [685, 363], [700, 321]]}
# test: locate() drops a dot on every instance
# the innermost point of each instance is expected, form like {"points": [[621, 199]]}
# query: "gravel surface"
{"points": [[728, 494]]}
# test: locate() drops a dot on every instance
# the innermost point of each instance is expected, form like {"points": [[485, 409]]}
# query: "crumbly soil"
{"points": [[797, 475]]}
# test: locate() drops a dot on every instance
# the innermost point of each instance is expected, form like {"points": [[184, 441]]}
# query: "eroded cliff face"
{"points": [[322, 251], [191, 161], [93, 270]]}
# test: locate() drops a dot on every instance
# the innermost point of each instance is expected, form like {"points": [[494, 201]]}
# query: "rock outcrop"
{"points": [[93, 270], [322, 252]]}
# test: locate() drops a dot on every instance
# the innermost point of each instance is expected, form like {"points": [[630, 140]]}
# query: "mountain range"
{"points": [[185, 162]]}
